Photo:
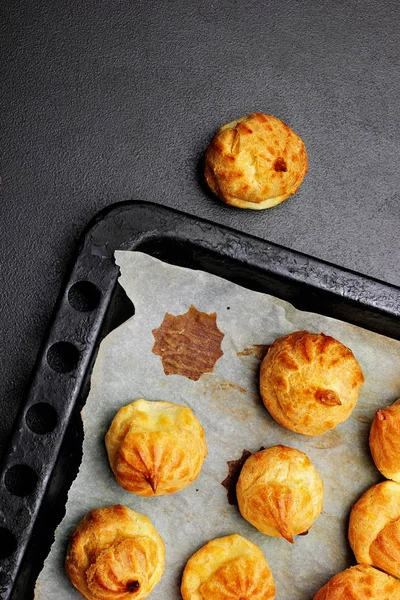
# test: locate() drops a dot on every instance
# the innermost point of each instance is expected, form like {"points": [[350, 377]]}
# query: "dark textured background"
{"points": [[112, 100]]}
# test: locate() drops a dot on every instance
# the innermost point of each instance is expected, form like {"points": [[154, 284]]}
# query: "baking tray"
{"points": [[45, 450]]}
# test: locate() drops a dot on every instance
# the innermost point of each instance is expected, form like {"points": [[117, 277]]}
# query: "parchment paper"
{"points": [[228, 405]]}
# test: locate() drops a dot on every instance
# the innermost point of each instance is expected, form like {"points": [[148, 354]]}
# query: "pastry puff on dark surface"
{"points": [[155, 448], [255, 162], [115, 553]]}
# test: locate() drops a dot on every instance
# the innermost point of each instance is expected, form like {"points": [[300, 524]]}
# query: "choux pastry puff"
{"points": [[115, 553], [155, 448]]}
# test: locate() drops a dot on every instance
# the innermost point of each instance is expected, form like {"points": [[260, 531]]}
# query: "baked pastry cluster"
{"points": [[228, 567], [360, 582], [384, 441], [155, 448], [255, 162], [280, 492], [374, 527], [115, 553], [310, 382]]}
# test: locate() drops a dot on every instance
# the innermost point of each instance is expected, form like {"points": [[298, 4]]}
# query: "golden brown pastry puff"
{"points": [[155, 448], [374, 528], [309, 382], [115, 553], [384, 441], [229, 567], [280, 492], [256, 162], [360, 583]]}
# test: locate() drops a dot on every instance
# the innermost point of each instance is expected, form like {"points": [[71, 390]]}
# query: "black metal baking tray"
{"points": [[45, 449]]}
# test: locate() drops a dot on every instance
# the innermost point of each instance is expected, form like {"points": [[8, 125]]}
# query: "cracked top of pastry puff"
{"points": [[280, 492], [374, 527], [255, 162], [228, 567], [358, 582], [384, 441], [155, 448], [115, 553], [310, 382]]}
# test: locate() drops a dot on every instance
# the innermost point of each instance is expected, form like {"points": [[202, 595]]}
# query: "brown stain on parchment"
{"points": [[363, 419], [257, 351], [189, 344], [234, 469], [230, 481], [330, 439], [230, 385], [221, 390]]}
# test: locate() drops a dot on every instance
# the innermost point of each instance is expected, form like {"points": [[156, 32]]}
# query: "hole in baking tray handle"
{"points": [[20, 480], [62, 357], [84, 296], [8, 542], [41, 418]]}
